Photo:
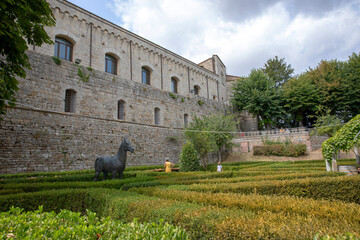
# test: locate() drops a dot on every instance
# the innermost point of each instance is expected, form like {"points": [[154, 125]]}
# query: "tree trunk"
{"points": [[203, 161], [357, 156], [301, 124], [207, 160], [267, 126], [334, 163], [328, 167]]}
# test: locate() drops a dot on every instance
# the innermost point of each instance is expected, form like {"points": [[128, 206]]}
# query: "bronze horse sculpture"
{"points": [[114, 164]]}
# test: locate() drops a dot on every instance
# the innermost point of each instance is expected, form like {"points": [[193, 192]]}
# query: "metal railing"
{"points": [[272, 132]]}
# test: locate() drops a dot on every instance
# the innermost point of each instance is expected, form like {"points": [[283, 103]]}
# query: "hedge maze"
{"points": [[248, 200]]}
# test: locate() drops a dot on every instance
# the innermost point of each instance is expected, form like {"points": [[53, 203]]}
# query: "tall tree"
{"points": [[210, 134], [198, 133], [328, 77], [352, 81], [258, 95], [22, 23], [278, 70], [301, 97], [223, 126]]}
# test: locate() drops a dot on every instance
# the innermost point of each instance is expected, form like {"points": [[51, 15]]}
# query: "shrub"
{"points": [[334, 188], [189, 159], [290, 150], [71, 225], [84, 177], [56, 60], [31, 187], [53, 200], [293, 205], [173, 96]]}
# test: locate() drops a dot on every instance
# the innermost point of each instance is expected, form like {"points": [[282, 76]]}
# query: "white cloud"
{"points": [[196, 29]]}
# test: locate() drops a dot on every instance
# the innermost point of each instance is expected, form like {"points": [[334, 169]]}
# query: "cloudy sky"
{"points": [[243, 33]]}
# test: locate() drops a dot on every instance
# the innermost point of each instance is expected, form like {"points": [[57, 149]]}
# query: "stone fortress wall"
{"points": [[93, 37], [38, 135]]}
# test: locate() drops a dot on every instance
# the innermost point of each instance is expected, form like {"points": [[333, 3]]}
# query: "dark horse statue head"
{"points": [[126, 145]]}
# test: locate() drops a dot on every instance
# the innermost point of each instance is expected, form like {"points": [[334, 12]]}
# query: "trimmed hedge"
{"points": [[349, 212], [84, 177], [291, 150], [71, 225], [336, 188], [246, 178], [249, 200], [33, 187], [200, 221]]}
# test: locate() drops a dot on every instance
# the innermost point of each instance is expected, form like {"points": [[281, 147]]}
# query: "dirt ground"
{"points": [[248, 156]]}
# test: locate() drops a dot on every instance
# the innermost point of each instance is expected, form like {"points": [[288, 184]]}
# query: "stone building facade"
{"points": [[74, 108]]}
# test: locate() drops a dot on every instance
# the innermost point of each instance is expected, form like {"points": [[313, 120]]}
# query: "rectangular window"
{"points": [[70, 99], [157, 116], [174, 85], [145, 76], [110, 64], [121, 110]]}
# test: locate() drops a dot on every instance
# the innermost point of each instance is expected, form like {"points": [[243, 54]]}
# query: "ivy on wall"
{"points": [[342, 140]]}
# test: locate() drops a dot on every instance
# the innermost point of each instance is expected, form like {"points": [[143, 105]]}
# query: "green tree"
{"points": [[224, 126], [300, 97], [189, 159], [345, 139], [278, 70], [258, 95], [327, 125], [209, 134], [22, 23], [328, 77], [351, 101], [198, 134]]}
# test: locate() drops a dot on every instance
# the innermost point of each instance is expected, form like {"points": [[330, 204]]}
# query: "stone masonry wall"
{"points": [[93, 37], [247, 143], [38, 135], [33, 141]]}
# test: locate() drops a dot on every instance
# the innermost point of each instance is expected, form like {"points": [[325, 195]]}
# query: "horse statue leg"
{"points": [[121, 174], [97, 174], [114, 174], [105, 175]]}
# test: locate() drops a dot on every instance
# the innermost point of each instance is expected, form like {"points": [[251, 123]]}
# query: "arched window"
{"points": [[145, 75], [121, 109], [70, 100], [157, 116], [63, 49], [110, 64], [186, 117], [174, 83], [196, 90]]}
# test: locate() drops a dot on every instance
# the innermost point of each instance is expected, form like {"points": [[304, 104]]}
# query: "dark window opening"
{"points": [[70, 99], [157, 116], [121, 110], [196, 90], [186, 120]]}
